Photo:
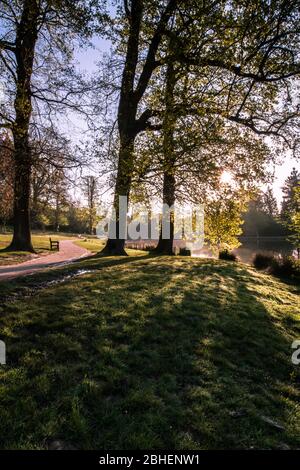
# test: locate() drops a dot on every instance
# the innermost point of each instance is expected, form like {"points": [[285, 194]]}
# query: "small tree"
{"points": [[36, 46], [269, 203], [90, 190], [223, 220], [52, 161], [290, 204]]}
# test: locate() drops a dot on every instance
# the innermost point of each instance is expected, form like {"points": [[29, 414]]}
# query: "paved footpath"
{"points": [[68, 252]]}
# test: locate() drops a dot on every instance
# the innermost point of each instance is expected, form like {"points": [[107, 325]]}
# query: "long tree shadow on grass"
{"points": [[155, 354]]}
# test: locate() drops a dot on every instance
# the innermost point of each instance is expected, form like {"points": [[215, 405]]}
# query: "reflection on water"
{"points": [[268, 245], [277, 246]]}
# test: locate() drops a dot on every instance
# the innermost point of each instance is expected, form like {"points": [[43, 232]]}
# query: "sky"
{"points": [[87, 60]]}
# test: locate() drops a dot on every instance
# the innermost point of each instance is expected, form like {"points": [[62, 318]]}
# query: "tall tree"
{"points": [[269, 203], [165, 245], [24, 25], [23, 49], [251, 51], [146, 23]]}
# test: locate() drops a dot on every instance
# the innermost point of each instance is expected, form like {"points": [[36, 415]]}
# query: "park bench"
{"points": [[54, 244]]}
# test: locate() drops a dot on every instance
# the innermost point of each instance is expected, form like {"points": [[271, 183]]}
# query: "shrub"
{"points": [[297, 267], [261, 261], [184, 252], [227, 255], [285, 267], [280, 267]]}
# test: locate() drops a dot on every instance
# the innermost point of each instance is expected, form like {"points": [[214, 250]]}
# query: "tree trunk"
{"points": [[26, 38], [22, 236], [57, 213], [127, 125], [34, 209], [90, 224], [116, 246], [165, 245]]}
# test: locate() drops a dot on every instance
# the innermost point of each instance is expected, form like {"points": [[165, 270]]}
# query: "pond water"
{"points": [[277, 246]]}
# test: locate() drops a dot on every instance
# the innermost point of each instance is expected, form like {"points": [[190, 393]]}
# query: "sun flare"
{"points": [[226, 177]]}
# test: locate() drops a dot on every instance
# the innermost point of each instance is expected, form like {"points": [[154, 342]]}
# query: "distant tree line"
{"points": [[51, 204], [264, 218]]}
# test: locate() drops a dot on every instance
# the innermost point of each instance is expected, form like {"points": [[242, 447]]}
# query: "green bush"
{"points": [[227, 255], [261, 261], [285, 267]]}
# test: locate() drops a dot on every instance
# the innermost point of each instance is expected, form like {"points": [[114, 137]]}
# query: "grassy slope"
{"points": [[40, 243], [153, 353]]}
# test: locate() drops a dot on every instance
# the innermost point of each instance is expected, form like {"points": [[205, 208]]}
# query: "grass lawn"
{"points": [[40, 243], [92, 244], [42, 246], [152, 353]]}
